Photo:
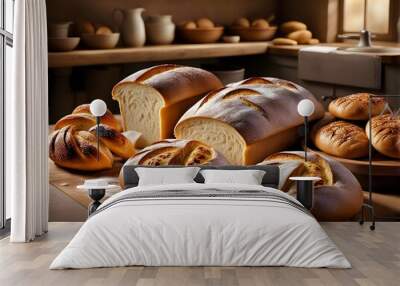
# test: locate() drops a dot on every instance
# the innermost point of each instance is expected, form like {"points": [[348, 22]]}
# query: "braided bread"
{"points": [[248, 120], [82, 119], [77, 149], [114, 140], [152, 100], [385, 134], [355, 106], [337, 196]]}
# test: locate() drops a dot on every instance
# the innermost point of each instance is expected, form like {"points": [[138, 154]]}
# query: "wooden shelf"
{"points": [[154, 53]]}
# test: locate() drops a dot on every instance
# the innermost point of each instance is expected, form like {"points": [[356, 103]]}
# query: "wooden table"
{"points": [[67, 181]]}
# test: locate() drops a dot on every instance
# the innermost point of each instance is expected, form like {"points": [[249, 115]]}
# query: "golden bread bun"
{"points": [[284, 41], [301, 37], [205, 23], [260, 23], [241, 23], [292, 26], [341, 139], [84, 27], [103, 30], [189, 25], [385, 134], [77, 149], [355, 106], [337, 196]]}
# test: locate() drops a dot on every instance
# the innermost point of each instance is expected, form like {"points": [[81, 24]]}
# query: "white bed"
{"points": [[246, 225]]}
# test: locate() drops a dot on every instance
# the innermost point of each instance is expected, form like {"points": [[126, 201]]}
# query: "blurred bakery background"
{"points": [[93, 44]]}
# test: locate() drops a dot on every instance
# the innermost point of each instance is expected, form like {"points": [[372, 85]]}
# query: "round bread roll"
{"points": [[103, 30], [204, 23], [241, 23], [260, 24], [114, 140], [385, 134], [189, 25], [341, 139], [84, 27], [77, 150], [292, 26], [337, 196], [302, 37], [355, 106], [284, 41]]}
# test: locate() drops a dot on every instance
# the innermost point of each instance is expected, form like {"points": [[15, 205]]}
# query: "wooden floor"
{"points": [[375, 257]]}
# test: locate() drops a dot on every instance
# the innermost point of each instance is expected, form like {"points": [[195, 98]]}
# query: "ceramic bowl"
{"points": [[63, 44], [100, 41], [254, 34], [201, 35]]}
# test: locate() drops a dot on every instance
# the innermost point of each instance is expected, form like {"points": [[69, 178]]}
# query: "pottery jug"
{"points": [[160, 30], [131, 26]]}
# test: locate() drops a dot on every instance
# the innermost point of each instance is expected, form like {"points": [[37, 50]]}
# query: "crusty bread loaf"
{"points": [[247, 120], [152, 100], [176, 152], [385, 134], [338, 196], [355, 106], [77, 149], [315, 167], [82, 119], [341, 139], [114, 140]]}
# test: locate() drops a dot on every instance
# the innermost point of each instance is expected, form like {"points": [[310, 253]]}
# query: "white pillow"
{"points": [[166, 176], [247, 177]]}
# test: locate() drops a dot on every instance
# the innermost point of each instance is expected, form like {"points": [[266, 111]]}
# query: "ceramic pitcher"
{"points": [[131, 26]]}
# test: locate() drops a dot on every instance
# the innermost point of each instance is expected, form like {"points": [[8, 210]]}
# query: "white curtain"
{"points": [[27, 123]]}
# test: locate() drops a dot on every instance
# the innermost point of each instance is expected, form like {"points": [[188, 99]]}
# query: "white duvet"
{"points": [[188, 231]]}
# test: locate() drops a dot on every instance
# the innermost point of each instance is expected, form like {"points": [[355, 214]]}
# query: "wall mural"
{"points": [[178, 115]]}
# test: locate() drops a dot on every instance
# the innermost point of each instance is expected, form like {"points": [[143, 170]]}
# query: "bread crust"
{"points": [[385, 134], [336, 199], [82, 119], [341, 139], [256, 107], [175, 83], [355, 106]]}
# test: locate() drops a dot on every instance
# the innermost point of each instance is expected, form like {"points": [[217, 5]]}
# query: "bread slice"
{"points": [[248, 120], [152, 100]]}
